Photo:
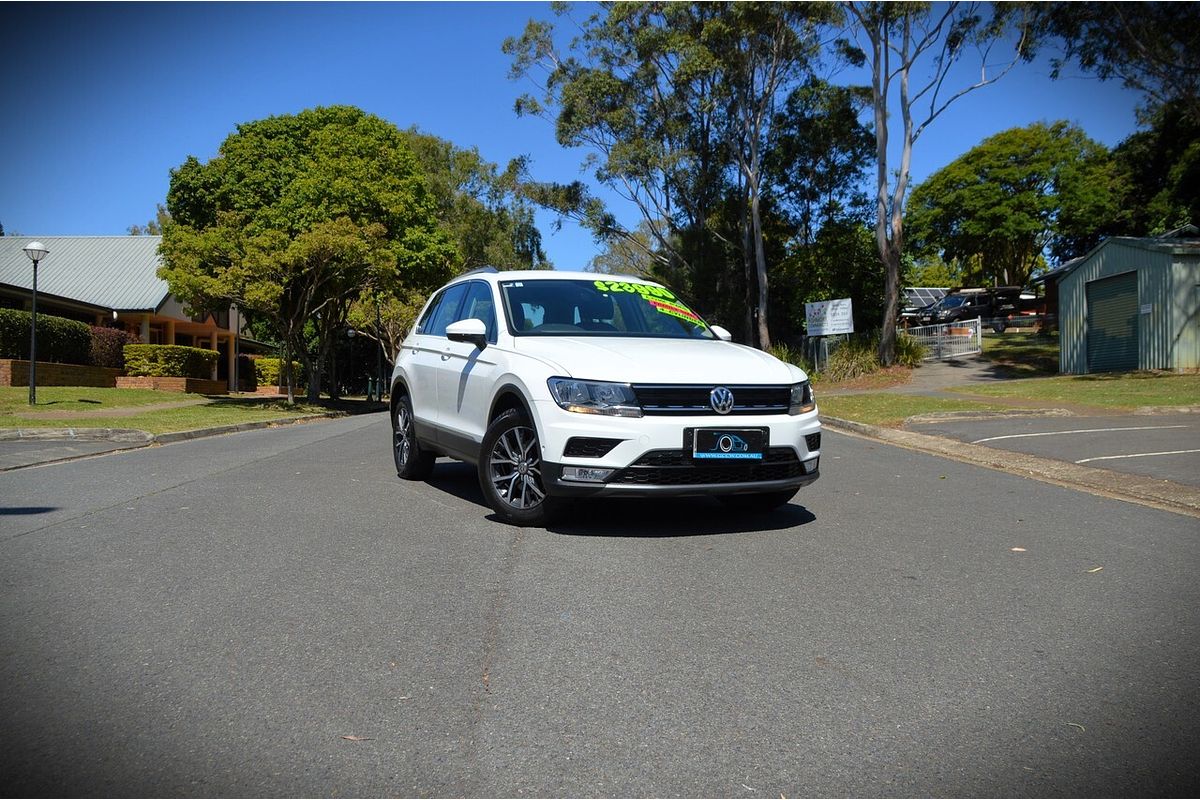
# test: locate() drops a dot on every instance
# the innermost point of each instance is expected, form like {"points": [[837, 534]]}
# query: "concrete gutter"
{"points": [[1160, 494]]}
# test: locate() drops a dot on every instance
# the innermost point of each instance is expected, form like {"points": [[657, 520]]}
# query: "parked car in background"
{"points": [[993, 306]]}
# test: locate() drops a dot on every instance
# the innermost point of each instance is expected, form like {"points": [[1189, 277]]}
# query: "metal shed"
{"points": [[1132, 303]]}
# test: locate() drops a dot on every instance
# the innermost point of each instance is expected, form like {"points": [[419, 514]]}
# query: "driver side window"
{"points": [[480, 305]]}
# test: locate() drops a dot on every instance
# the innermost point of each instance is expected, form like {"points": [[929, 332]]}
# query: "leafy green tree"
{"points": [[821, 154], [910, 49], [295, 217], [490, 224], [155, 226], [1014, 195], [676, 103], [1160, 166], [1153, 48]]}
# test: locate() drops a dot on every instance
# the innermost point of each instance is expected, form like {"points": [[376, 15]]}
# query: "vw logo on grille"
{"points": [[721, 400]]}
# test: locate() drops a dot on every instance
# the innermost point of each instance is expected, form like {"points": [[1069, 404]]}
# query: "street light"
{"points": [[36, 252]]}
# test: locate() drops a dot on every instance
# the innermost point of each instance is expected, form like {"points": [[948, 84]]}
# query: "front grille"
{"points": [[589, 447], [663, 400], [813, 442], [677, 468]]}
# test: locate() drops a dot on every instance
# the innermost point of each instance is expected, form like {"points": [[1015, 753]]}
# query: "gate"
{"points": [[948, 340]]}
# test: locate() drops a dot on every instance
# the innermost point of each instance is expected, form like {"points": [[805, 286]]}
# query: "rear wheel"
{"points": [[510, 472], [412, 462], [754, 503]]}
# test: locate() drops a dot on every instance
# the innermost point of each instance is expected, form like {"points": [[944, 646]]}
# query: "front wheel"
{"points": [[412, 462], [510, 472], [756, 503]]}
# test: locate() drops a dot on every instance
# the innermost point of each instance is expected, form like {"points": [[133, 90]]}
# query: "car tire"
{"points": [[413, 462], [510, 472], [999, 327], [758, 503]]}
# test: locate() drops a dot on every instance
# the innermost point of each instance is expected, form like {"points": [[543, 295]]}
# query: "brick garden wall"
{"points": [[14, 372], [193, 385]]}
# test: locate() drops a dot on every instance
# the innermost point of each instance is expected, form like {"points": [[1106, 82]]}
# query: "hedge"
{"points": [[63, 341], [267, 370], [108, 347], [168, 361]]}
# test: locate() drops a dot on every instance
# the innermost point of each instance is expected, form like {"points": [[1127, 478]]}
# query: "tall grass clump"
{"points": [[791, 355], [909, 352]]}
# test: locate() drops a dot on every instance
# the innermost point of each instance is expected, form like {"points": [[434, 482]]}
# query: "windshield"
{"points": [[572, 307], [950, 301]]}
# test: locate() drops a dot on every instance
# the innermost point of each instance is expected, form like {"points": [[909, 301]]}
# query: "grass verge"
{"points": [[890, 410], [140, 409], [1118, 392]]}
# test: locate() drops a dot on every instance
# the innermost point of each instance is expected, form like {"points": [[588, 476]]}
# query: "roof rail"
{"points": [[480, 270]]}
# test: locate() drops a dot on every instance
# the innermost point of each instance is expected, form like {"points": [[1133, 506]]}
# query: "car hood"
{"points": [[638, 360]]}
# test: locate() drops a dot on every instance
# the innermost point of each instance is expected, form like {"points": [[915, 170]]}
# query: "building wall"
{"points": [[1166, 297]]}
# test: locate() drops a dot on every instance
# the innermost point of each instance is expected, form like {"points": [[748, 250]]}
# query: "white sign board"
{"points": [[829, 317]]}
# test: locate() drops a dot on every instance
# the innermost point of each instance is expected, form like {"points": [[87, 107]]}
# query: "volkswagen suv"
{"points": [[559, 385]]}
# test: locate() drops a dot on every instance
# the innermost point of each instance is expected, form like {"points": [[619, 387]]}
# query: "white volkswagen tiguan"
{"points": [[559, 385]]}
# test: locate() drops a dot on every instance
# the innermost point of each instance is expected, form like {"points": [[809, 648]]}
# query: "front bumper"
{"points": [[653, 455]]}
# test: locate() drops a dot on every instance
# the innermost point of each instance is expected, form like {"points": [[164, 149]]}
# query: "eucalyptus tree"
{"points": [[910, 50], [1152, 48], [676, 103]]}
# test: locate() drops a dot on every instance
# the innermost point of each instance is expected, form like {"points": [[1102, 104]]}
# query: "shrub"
{"points": [[169, 361], [791, 355], [852, 359], [267, 371], [62, 341], [108, 347], [909, 352]]}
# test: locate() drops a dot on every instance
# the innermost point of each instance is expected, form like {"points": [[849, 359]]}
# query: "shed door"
{"points": [[1112, 324]]}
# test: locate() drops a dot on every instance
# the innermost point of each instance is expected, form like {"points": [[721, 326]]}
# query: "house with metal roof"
{"points": [[112, 281], [1131, 303]]}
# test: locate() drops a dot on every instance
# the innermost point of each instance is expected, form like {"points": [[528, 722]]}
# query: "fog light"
{"points": [[810, 466], [586, 474]]}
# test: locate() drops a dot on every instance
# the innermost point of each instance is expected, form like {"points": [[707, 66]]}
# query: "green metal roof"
{"points": [[116, 272]]}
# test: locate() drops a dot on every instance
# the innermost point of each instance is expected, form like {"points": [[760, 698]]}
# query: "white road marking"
{"points": [[1085, 430], [1137, 455]]}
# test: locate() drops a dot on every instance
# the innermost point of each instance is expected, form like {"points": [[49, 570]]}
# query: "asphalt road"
{"points": [[1164, 446], [215, 617]]}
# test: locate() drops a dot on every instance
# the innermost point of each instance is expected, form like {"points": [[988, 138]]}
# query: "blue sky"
{"points": [[104, 99]]}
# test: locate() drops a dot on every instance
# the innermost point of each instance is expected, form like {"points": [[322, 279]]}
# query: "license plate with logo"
{"points": [[729, 444]]}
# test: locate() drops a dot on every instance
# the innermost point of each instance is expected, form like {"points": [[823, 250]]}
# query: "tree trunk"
{"points": [[764, 336]]}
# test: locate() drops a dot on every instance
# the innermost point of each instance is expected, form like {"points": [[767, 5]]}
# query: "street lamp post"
{"points": [[36, 252]]}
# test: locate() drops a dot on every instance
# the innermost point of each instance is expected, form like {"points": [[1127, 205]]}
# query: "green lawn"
{"points": [[15, 399], [1022, 353], [890, 410], [1124, 391], [76, 407]]}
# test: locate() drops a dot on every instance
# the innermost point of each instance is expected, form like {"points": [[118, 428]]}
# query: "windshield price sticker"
{"points": [[731, 445], [635, 288]]}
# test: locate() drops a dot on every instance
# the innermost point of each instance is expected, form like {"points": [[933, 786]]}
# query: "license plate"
{"points": [[732, 445]]}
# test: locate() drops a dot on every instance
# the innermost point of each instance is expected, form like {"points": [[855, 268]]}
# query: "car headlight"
{"points": [[802, 400], [595, 397]]}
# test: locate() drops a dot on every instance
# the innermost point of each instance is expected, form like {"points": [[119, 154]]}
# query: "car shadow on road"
{"points": [[634, 518], [659, 518]]}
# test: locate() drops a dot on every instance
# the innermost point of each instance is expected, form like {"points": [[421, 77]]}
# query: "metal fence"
{"points": [[949, 340]]}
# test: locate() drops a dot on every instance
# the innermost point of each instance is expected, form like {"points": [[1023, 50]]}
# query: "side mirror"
{"points": [[473, 331], [721, 333]]}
